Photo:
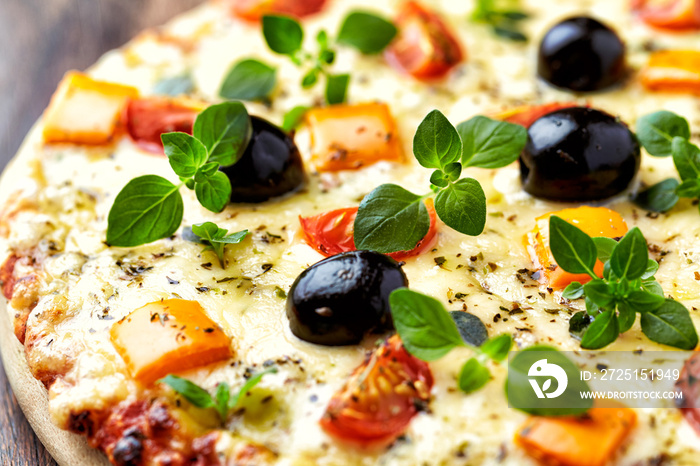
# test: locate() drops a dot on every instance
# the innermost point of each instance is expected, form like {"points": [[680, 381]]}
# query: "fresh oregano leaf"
{"points": [[185, 153], [670, 325], [573, 250], [497, 348], [470, 327], [574, 290], [225, 131], [686, 157], [602, 331], [462, 206], [604, 247], [367, 32], [657, 130], [630, 257], [249, 80], [293, 118], [660, 197], [337, 88], [490, 143], [473, 376], [283, 34], [189, 391], [689, 189], [214, 192], [436, 142]]}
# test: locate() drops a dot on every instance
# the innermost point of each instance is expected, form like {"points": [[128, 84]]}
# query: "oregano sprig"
{"points": [[628, 288], [503, 17], [150, 207], [223, 401], [214, 238], [666, 134], [391, 218]]}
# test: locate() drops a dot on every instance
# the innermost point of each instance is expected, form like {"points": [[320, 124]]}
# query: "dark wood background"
{"points": [[39, 41]]}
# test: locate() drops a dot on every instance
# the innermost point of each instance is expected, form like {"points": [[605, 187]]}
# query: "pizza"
{"points": [[311, 232]]}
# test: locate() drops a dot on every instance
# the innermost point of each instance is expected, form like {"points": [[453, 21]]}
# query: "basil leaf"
{"points": [[573, 250], [337, 88], [249, 80], [233, 238], [670, 325], [148, 208], [626, 317], [462, 206], [293, 118], [222, 395], [225, 131], [185, 153], [208, 231], [490, 143], [310, 78], [175, 86], [599, 292], [436, 142], [643, 301], [214, 192], [473, 376], [390, 219], [189, 391], [453, 171], [250, 384], [652, 286], [367, 32], [497, 348], [283, 34], [630, 257], [604, 247], [686, 158], [206, 171], [652, 268], [574, 290], [689, 188], [657, 130], [470, 328], [660, 197], [425, 327], [579, 323], [439, 179], [603, 330]]}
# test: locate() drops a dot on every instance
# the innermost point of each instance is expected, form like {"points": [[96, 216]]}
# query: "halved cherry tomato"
{"points": [[381, 397], [526, 115], [673, 71], [147, 118], [425, 47], [689, 385], [331, 232], [671, 14], [253, 10]]}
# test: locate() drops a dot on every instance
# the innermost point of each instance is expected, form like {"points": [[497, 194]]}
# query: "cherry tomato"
{"points": [[381, 397], [425, 47], [671, 14], [146, 119], [689, 385], [253, 10], [331, 233], [528, 114]]}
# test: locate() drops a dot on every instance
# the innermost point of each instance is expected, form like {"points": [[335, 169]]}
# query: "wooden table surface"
{"points": [[41, 40]]}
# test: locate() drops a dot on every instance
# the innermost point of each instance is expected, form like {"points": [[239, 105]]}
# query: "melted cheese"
{"points": [[88, 287]]}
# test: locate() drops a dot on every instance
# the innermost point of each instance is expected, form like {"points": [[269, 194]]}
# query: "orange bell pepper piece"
{"points": [[673, 71], [526, 115], [594, 221], [168, 336], [671, 14], [346, 137], [590, 440], [85, 111]]}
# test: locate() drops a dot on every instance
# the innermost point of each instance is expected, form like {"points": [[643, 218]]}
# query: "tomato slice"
{"points": [[253, 10], [526, 115], [146, 119], [670, 14], [689, 385], [331, 232], [425, 47], [380, 398]]}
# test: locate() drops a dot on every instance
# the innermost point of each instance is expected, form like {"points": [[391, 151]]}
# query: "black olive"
{"points": [[581, 54], [270, 166], [578, 154], [338, 300]]}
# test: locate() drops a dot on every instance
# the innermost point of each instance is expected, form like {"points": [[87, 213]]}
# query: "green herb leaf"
{"points": [[604, 247], [206, 171], [686, 157], [185, 153], [337, 88], [189, 391], [657, 130], [689, 188], [293, 118], [643, 301], [470, 327], [390, 219], [249, 385], [175, 86], [579, 323], [425, 327], [249, 80], [602, 331], [573, 250], [490, 143], [439, 179], [599, 292], [630, 257], [462, 206], [233, 238], [367, 32], [221, 398], [652, 286], [225, 131], [214, 192], [497, 348], [509, 32], [652, 268], [283, 34], [574, 290], [208, 231], [436, 142], [626, 316], [670, 325], [473, 376], [660, 197], [148, 208], [310, 78]]}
